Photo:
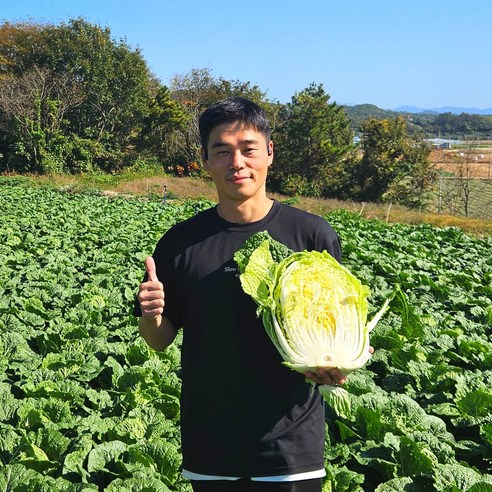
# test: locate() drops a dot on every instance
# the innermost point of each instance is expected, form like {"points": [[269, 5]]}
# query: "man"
{"points": [[247, 422]]}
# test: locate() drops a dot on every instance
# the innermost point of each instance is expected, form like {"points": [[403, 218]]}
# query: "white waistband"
{"points": [[274, 478]]}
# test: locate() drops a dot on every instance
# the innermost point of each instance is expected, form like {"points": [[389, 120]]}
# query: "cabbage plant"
{"points": [[313, 308]]}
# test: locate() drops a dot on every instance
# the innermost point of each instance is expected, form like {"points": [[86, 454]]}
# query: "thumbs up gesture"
{"points": [[151, 292]]}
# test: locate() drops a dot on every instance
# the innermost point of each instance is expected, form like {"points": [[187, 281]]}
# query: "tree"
{"points": [[314, 142], [164, 117], [117, 82], [199, 88], [393, 165], [20, 45], [32, 112], [114, 81], [196, 90]]}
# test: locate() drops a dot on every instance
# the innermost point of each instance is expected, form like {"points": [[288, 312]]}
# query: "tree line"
{"points": [[75, 100], [462, 126]]}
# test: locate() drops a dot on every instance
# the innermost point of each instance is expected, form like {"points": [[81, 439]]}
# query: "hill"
{"points": [[361, 112]]}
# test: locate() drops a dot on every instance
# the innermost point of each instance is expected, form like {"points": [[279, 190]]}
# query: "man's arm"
{"points": [[158, 332], [155, 328]]}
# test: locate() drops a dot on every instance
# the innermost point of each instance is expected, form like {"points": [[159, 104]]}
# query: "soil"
{"points": [[475, 163]]}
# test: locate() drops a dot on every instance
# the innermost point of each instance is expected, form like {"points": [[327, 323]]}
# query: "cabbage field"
{"points": [[85, 405]]}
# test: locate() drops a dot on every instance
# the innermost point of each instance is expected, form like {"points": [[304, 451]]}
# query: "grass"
{"points": [[150, 182]]}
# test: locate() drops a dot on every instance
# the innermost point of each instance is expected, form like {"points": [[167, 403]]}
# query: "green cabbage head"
{"points": [[313, 308]]}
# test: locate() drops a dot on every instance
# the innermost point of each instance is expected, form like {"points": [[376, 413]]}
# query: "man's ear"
{"points": [[270, 152], [204, 155]]}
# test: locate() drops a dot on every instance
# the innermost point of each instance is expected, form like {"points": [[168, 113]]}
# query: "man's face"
{"points": [[238, 160]]}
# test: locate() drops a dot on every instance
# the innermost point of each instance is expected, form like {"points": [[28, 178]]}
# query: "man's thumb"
{"points": [[150, 267]]}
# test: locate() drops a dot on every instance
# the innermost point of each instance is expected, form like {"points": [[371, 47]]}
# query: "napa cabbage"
{"points": [[313, 308]]}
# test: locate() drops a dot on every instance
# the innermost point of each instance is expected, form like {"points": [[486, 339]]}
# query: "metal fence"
{"points": [[463, 196]]}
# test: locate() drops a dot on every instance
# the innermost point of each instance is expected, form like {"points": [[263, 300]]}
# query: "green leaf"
{"points": [[480, 487], [337, 398], [411, 324], [8, 403], [404, 484], [165, 457], [456, 475], [256, 279], [137, 484], [486, 433], [128, 430], [104, 453], [18, 478], [51, 441], [370, 424], [414, 458], [341, 479], [75, 459], [476, 403]]}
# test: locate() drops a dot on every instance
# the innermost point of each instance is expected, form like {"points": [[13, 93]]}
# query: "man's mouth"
{"points": [[238, 179]]}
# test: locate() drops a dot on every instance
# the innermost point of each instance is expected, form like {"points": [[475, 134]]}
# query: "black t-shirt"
{"points": [[243, 413]]}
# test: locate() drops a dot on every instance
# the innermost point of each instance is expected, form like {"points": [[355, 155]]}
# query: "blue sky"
{"points": [[425, 53]]}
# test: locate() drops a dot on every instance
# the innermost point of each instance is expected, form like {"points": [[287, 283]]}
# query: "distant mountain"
{"points": [[444, 109], [409, 109]]}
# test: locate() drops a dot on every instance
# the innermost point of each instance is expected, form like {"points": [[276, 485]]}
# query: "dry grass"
{"points": [[184, 188], [193, 188]]}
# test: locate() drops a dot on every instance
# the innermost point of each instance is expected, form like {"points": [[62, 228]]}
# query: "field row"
{"points": [[86, 405]]}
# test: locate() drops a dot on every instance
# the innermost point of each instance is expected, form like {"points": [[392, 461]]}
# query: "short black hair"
{"points": [[230, 110]]}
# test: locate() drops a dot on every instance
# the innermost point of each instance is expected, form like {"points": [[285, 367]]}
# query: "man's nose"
{"points": [[237, 160]]}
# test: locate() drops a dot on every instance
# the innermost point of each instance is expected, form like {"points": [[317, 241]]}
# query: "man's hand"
{"points": [[332, 377], [151, 293]]}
